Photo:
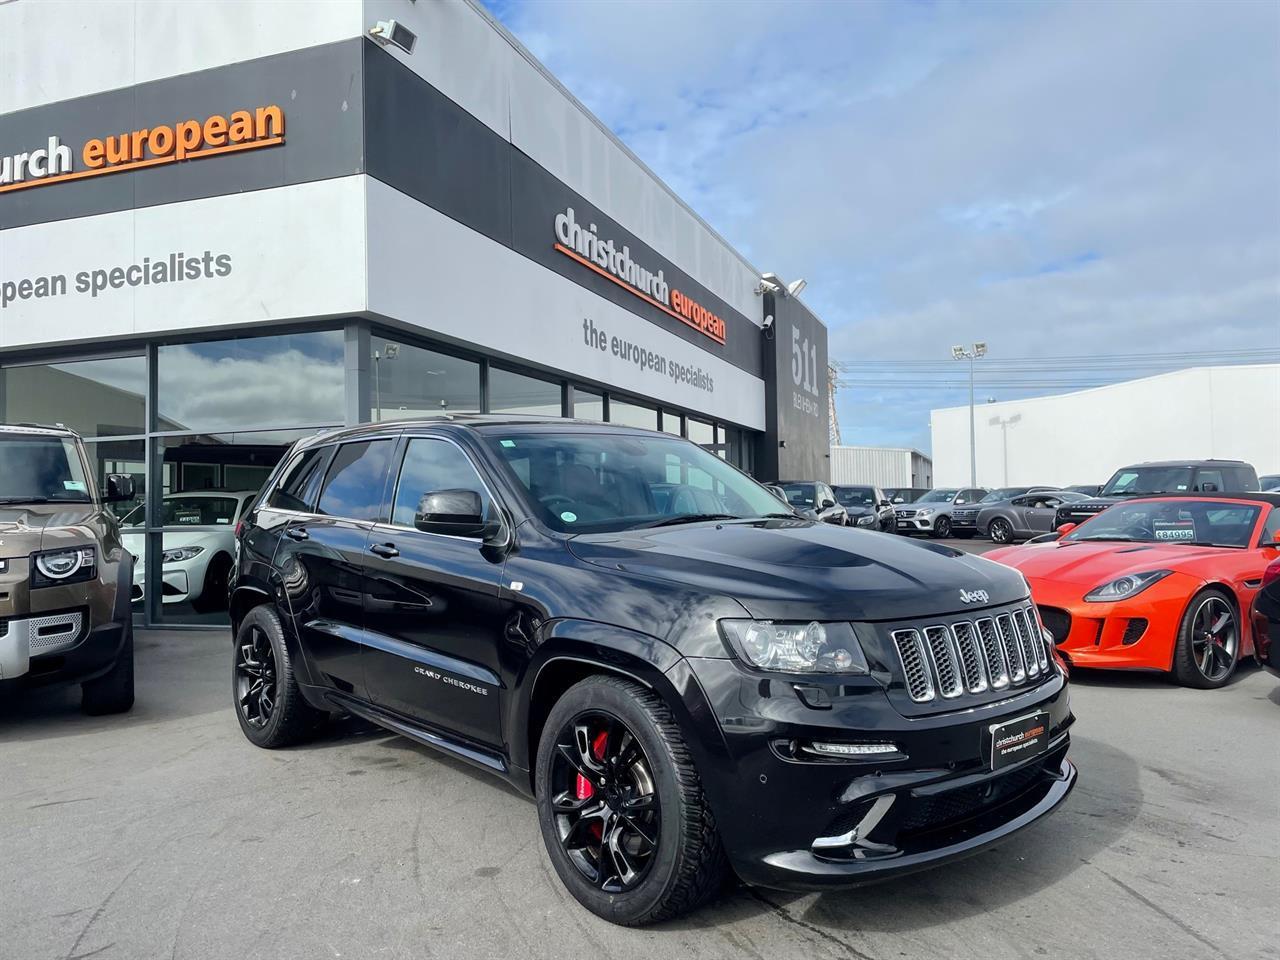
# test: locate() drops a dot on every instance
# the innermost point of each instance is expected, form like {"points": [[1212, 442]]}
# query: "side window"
{"points": [[354, 485], [1020, 502], [431, 465], [962, 497], [301, 480], [1271, 531]]}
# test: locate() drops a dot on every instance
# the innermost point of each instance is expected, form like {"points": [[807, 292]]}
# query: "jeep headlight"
{"points": [[64, 566], [178, 554], [1122, 588], [796, 647]]}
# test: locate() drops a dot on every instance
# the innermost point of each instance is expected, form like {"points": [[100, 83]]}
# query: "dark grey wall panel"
{"points": [[425, 145], [796, 395], [318, 88]]}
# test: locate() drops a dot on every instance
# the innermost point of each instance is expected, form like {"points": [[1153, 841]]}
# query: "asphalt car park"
{"points": [[162, 832]]}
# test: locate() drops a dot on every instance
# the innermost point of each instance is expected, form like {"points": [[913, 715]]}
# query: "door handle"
{"points": [[297, 533], [387, 550]]}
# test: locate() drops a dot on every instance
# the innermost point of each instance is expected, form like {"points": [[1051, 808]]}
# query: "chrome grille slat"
{"points": [[975, 674], [1012, 649], [993, 651], [1032, 641], [915, 669], [945, 662]]}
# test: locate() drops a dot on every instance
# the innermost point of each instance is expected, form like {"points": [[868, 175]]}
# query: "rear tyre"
{"points": [[621, 806], [269, 705], [941, 528], [113, 691], [1208, 647], [1000, 531]]}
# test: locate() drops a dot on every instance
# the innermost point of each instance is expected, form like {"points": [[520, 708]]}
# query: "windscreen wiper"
{"points": [[25, 500], [687, 518]]}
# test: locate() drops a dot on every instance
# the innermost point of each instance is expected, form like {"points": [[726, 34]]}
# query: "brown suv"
{"points": [[64, 574]]}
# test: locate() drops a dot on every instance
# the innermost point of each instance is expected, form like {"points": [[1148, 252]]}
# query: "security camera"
{"points": [[796, 286], [767, 327], [769, 283], [396, 34]]}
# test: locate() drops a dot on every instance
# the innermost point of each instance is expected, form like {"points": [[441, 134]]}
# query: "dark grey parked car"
{"points": [[1023, 517]]}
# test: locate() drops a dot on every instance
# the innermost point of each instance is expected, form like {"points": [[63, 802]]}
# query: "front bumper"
{"points": [[175, 584], [792, 821], [59, 647], [914, 523], [1135, 634]]}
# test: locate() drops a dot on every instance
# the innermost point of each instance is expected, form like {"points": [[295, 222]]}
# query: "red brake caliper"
{"points": [[582, 786]]}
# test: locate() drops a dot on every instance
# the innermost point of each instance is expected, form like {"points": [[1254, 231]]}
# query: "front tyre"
{"points": [[941, 528], [1208, 647], [269, 706], [621, 806]]}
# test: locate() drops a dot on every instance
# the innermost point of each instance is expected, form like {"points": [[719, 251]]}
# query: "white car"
{"points": [[198, 563]]}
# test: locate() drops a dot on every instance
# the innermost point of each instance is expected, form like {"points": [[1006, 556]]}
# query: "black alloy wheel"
{"points": [[1208, 641], [269, 705], [942, 528], [255, 674], [1000, 531], [607, 813], [620, 805]]}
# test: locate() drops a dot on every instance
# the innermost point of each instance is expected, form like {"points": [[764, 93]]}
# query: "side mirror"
{"points": [[119, 488], [885, 503], [453, 513], [1066, 528], [828, 504]]}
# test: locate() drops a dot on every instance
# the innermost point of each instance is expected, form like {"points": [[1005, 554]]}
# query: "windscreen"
{"points": [[1141, 481], [1007, 493], [856, 496], [41, 470], [938, 496], [598, 483], [1210, 523]]}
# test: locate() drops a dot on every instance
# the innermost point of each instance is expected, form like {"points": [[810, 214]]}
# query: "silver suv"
{"points": [[931, 514]]}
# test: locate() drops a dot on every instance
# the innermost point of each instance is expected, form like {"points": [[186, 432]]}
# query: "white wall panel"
{"points": [[1084, 437], [483, 293], [294, 251], [53, 50]]}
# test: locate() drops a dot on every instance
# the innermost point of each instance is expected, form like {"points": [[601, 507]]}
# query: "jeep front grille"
{"points": [[987, 653]]}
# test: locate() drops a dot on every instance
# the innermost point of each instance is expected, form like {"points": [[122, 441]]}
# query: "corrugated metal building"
{"points": [[881, 466], [1083, 437]]}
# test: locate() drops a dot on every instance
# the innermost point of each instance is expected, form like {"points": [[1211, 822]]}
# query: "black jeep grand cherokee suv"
{"points": [[685, 676]]}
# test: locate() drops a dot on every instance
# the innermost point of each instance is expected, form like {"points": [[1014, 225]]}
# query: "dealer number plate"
{"points": [[1016, 740]]}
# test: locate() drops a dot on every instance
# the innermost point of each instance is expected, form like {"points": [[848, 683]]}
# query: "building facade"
{"points": [[881, 466], [225, 226], [1084, 437]]}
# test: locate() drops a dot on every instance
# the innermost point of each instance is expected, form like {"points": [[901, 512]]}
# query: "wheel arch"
{"points": [[244, 598], [1246, 629], [570, 652]]}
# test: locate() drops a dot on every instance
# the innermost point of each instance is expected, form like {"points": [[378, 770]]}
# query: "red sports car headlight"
{"points": [[1122, 588]]}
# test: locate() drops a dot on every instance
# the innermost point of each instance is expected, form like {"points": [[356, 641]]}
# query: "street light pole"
{"points": [[976, 352]]}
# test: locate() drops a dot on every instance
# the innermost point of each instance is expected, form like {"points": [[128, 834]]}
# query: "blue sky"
{"points": [[1054, 178]]}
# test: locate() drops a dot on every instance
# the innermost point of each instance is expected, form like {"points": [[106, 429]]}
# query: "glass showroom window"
{"points": [[632, 414], [703, 434], [95, 398], [671, 422], [587, 405], [251, 382], [516, 393], [408, 381], [207, 481]]}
